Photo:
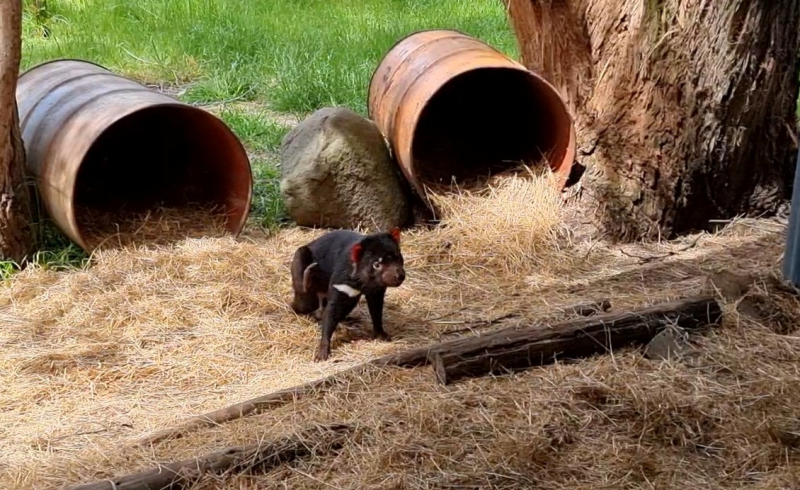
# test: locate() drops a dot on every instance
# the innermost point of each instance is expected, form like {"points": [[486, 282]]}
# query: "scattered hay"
{"points": [[509, 224], [724, 421], [158, 226], [93, 360]]}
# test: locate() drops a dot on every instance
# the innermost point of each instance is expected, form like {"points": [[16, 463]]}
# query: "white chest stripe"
{"points": [[348, 290]]}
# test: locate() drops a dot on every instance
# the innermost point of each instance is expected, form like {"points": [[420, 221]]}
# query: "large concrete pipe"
{"points": [[452, 106], [97, 139]]}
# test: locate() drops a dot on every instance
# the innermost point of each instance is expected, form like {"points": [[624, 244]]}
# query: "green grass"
{"points": [[298, 55], [267, 206], [262, 137], [257, 132], [56, 252], [291, 56], [65, 257]]}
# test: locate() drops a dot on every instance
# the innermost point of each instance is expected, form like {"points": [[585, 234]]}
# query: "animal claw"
{"points": [[322, 354]]}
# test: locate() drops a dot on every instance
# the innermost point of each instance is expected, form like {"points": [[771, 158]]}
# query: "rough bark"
{"points": [[684, 109], [509, 350], [16, 234]]}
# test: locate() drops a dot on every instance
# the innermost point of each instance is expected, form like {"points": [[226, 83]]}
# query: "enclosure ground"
{"points": [[147, 338], [95, 356]]}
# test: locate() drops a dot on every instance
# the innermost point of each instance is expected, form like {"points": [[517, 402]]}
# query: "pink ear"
{"points": [[355, 252], [395, 232]]}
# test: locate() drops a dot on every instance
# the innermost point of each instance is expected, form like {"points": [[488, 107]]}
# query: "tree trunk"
{"points": [[684, 109], [16, 236]]}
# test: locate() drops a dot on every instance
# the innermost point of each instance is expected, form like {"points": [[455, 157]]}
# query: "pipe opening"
{"points": [[181, 165], [487, 121]]}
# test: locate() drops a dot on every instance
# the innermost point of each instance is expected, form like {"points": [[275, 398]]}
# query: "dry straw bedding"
{"points": [[93, 360], [160, 226]]}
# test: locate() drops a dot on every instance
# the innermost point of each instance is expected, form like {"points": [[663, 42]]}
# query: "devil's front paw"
{"points": [[382, 335], [323, 351]]}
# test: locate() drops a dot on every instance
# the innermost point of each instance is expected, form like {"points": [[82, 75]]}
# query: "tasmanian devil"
{"points": [[330, 274]]}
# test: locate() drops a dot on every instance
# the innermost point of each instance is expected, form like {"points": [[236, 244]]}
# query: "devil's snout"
{"points": [[395, 276]]}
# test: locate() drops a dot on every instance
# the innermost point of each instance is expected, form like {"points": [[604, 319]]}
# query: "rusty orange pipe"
{"points": [[93, 137], [451, 106]]}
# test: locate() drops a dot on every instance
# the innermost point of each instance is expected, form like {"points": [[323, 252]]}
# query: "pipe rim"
{"points": [[397, 43], [60, 60], [561, 167], [238, 152], [238, 147]]}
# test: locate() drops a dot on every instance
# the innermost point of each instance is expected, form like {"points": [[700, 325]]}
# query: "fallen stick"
{"points": [[410, 358], [417, 357], [510, 350], [242, 459]]}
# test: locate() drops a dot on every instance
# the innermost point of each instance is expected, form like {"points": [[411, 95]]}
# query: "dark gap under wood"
{"points": [[588, 309]]}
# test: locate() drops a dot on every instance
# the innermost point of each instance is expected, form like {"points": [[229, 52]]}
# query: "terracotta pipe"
{"points": [[94, 137], [451, 106]]}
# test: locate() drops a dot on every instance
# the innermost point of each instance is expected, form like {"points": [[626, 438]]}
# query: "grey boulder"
{"points": [[337, 172]]}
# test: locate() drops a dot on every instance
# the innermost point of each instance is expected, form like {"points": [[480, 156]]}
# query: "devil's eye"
{"points": [[376, 264]]}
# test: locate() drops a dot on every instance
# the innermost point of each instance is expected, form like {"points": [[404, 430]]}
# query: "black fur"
{"points": [[327, 261]]}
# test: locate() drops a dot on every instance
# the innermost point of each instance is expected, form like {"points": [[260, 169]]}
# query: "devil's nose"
{"points": [[401, 276]]}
